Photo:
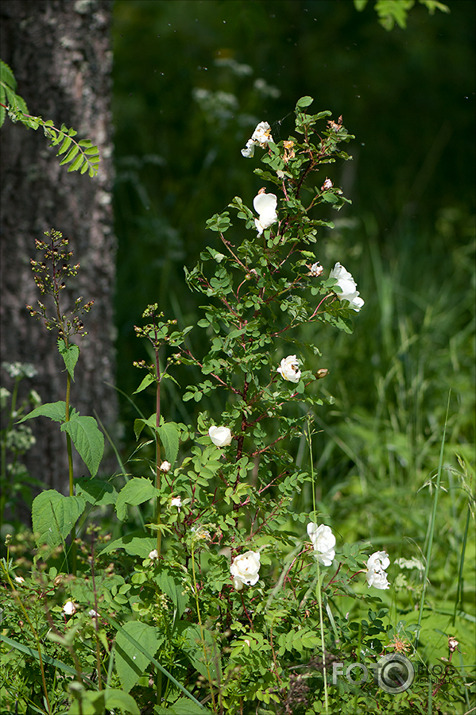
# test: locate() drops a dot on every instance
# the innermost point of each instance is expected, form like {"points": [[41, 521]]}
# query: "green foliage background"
{"points": [[191, 80]]}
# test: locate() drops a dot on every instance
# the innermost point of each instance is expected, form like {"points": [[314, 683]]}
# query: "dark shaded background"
{"points": [[193, 77]]}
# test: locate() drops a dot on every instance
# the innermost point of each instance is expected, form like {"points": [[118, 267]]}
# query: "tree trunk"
{"points": [[59, 52]]}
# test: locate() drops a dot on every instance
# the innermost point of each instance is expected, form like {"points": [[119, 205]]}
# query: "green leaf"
{"points": [[304, 102], [55, 411], [87, 438], [97, 703], [134, 544], [180, 707], [131, 662], [169, 437], [148, 380], [174, 591], [137, 491], [54, 515], [70, 355], [95, 491]]}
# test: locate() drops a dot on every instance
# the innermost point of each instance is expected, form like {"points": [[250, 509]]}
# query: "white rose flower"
{"points": [[249, 149], [260, 137], [154, 554], [265, 205], [262, 134], [220, 436], [289, 368], [323, 541], [69, 608], [348, 287], [376, 574], [378, 561], [165, 467], [176, 501], [245, 569]]}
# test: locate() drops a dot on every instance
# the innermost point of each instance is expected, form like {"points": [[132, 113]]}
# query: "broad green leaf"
{"points": [[95, 491], [54, 515], [87, 438], [134, 544], [97, 703], [56, 411], [173, 590], [130, 661], [169, 436], [137, 491], [199, 650], [181, 707], [70, 355]]}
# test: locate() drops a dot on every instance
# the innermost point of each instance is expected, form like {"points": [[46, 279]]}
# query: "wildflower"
{"points": [[69, 608], [245, 569], [165, 467], [289, 368], [20, 580], [376, 574], [347, 286], [176, 501], [93, 613], [220, 436], [316, 270], [323, 541], [154, 554], [265, 205], [452, 644], [327, 185], [260, 137]]}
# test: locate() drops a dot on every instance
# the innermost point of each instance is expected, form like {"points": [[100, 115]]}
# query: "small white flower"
{"points": [[376, 574], [165, 467], [289, 368], [245, 569], [323, 541], [19, 579], [176, 501], [93, 613], [249, 149], [154, 554], [316, 270], [260, 137], [327, 185], [265, 206], [220, 436], [69, 608], [348, 287]]}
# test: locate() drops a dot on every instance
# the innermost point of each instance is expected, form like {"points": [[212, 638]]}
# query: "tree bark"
{"points": [[60, 54]]}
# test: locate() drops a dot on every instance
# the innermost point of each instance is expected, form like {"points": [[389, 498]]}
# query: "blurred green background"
{"points": [[191, 80]]}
